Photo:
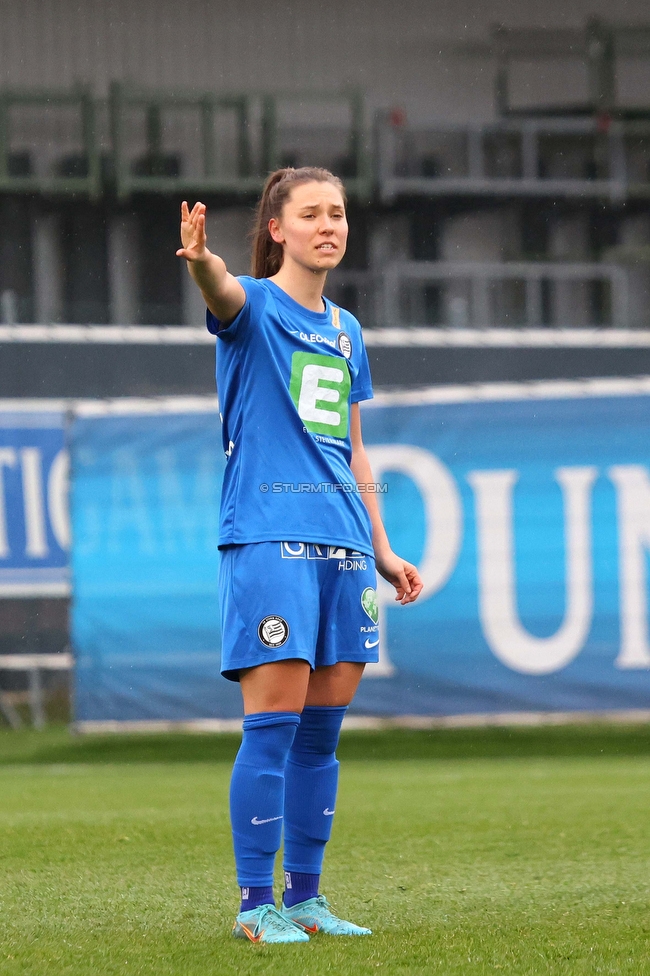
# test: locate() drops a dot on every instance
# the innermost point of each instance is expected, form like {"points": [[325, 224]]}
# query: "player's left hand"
{"points": [[402, 575]]}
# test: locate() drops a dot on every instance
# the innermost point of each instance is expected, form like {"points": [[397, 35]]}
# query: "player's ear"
{"points": [[275, 232]]}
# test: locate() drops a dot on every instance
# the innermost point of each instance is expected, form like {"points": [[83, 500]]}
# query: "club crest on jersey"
{"points": [[273, 631], [344, 343]]}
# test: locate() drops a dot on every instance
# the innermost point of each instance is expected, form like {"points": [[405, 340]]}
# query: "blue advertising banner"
{"points": [[34, 528], [530, 522], [145, 619], [526, 509]]}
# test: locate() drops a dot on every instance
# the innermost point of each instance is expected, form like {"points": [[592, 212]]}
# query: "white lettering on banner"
{"points": [[633, 507], [443, 526], [31, 462], [508, 640], [35, 528], [7, 459], [311, 394], [57, 498]]}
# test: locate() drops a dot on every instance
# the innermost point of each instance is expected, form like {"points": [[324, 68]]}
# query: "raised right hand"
{"points": [[193, 234], [223, 294]]}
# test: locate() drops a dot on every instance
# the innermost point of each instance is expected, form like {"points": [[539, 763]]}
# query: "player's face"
{"points": [[312, 228]]}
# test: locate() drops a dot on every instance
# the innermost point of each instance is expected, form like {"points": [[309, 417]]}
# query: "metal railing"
{"points": [[176, 142], [215, 154], [190, 159], [33, 665], [32, 124], [435, 294], [548, 157], [339, 143], [518, 294], [64, 142]]}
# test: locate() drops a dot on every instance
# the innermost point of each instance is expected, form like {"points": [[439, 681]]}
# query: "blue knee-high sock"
{"points": [[257, 801], [311, 782]]}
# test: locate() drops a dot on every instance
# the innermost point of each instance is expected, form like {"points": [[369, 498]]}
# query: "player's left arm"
{"points": [[401, 574]]}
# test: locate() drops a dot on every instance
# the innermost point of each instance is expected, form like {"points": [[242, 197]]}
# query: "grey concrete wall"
{"points": [[421, 55], [400, 54], [92, 370]]}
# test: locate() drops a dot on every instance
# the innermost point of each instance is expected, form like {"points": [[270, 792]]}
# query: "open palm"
{"points": [[193, 235]]}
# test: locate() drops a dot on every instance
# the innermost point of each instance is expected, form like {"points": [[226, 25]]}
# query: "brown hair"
{"points": [[266, 259]]}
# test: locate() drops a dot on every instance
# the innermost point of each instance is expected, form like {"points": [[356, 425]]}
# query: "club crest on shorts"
{"points": [[273, 631], [344, 342], [369, 603]]}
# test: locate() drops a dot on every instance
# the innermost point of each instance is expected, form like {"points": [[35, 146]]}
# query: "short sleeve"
{"points": [[255, 299], [362, 382]]}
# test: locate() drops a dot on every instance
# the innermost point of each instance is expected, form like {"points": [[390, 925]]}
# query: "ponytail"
{"points": [[267, 255]]}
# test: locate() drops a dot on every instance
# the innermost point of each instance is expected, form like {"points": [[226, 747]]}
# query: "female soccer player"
{"points": [[300, 536]]}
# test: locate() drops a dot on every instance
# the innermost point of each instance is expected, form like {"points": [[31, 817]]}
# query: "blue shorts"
{"points": [[282, 600]]}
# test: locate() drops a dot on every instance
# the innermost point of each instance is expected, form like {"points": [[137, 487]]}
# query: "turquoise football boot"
{"points": [[267, 924], [315, 915]]}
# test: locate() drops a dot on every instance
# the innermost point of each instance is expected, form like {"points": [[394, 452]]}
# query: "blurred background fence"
{"points": [[499, 200]]}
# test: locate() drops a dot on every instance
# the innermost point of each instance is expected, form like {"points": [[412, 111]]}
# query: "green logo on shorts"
{"points": [[369, 603]]}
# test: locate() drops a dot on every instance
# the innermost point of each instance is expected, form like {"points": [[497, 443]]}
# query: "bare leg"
{"points": [[277, 687], [334, 685]]}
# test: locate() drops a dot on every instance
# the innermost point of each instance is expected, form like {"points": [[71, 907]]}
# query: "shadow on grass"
{"points": [[58, 745]]}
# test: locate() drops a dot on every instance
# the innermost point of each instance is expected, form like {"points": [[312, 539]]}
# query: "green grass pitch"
{"points": [[469, 852]]}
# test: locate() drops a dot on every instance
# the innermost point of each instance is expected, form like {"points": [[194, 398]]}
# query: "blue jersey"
{"points": [[286, 377]]}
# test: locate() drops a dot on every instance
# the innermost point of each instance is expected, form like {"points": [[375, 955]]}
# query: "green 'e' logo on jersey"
{"points": [[320, 387]]}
